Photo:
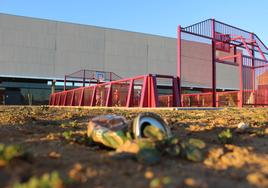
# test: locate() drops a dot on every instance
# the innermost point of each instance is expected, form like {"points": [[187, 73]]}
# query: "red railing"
{"points": [[230, 98], [226, 99], [140, 91]]}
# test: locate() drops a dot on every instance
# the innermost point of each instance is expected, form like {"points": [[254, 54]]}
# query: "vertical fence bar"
{"points": [[65, 97], [93, 98], [58, 102], [81, 97], [198, 100], [241, 80], [217, 100], [109, 96], [213, 64], [176, 95], [179, 64], [72, 99], [130, 94], [235, 52], [153, 91], [84, 78], [64, 87], [143, 100], [253, 68]]}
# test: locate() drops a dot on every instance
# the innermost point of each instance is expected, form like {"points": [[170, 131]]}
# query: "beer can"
{"points": [[149, 119]]}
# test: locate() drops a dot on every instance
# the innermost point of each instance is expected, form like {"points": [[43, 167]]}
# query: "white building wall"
{"points": [[50, 49]]}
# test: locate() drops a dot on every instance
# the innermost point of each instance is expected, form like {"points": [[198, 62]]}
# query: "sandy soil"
{"points": [[244, 163]]}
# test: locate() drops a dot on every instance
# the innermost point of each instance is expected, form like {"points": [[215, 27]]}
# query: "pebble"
{"points": [[242, 126]]}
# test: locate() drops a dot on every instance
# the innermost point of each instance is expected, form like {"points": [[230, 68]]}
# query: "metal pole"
{"points": [[253, 67], [109, 96], [235, 52], [144, 93], [64, 87], [241, 80], [81, 97], [154, 94], [179, 63], [84, 78], [130, 94], [176, 98], [213, 65], [53, 86]]}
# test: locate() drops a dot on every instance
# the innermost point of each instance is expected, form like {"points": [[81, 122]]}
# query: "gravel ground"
{"points": [[243, 163]]}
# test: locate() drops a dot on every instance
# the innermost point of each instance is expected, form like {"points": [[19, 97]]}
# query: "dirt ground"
{"points": [[244, 163]]}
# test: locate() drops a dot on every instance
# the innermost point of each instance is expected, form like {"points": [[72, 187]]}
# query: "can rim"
{"points": [[158, 122]]}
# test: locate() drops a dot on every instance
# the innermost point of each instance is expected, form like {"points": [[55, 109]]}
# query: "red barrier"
{"points": [[140, 91], [230, 98]]}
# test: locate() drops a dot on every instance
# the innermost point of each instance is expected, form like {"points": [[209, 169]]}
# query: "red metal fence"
{"points": [[140, 91], [223, 99], [216, 45]]}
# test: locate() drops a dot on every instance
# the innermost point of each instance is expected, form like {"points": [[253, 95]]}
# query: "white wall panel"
{"points": [[43, 48]]}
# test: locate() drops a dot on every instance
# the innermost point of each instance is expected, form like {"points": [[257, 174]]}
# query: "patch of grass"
{"points": [[160, 182], [67, 135], [52, 180], [74, 124], [79, 137], [7, 153], [226, 136], [258, 132]]}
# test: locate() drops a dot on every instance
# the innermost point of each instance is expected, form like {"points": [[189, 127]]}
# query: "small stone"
{"points": [[77, 173], [148, 174], [242, 126], [54, 155], [191, 182]]}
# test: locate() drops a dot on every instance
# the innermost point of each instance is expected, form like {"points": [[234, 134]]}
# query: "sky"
{"points": [[160, 17]]}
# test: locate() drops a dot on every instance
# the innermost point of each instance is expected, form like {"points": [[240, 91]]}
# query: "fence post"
{"points": [[65, 97], [213, 64], [240, 105], [64, 87], [93, 98], [198, 100], [130, 94], [109, 96], [144, 92], [176, 92], [58, 103], [217, 100], [153, 97], [182, 101], [81, 97], [179, 65], [72, 99]]}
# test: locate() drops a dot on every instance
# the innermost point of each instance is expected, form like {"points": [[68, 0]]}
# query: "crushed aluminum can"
{"points": [[112, 130], [108, 130], [149, 119]]}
